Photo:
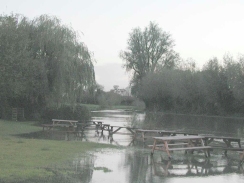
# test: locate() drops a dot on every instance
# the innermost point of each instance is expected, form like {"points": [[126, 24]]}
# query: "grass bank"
{"points": [[22, 160]]}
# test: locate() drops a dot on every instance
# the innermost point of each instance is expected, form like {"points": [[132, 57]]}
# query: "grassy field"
{"points": [[25, 160]]}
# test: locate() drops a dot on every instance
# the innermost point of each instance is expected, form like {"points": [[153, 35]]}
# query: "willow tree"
{"points": [[147, 51], [15, 59], [68, 61], [42, 62]]}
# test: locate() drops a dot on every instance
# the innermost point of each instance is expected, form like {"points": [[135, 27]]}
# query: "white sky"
{"points": [[201, 29]]}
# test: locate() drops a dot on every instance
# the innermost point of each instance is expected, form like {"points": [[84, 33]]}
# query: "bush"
{"points": [[66, 112], [109, 99], [138, 104]]}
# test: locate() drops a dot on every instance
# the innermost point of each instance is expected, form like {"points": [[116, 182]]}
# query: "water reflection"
{"points": [[138, 166], [134, 164], [194, 167], [222, 126], [83, 168]]}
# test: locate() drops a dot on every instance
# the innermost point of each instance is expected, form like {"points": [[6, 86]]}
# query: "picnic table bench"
{"points": [[174, 143], [118, 128], [105, 127], [61, 122], [227, 140], [143, 133], [86, 124], [228, 144]]}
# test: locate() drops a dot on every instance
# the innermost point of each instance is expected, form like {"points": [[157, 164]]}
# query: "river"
{"points": [[134, 164]]}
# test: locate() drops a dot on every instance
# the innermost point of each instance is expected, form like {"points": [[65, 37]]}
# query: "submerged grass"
{"points": [[27, 159]]}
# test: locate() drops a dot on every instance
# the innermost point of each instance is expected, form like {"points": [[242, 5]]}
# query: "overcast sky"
{"points": [[201, 29]]}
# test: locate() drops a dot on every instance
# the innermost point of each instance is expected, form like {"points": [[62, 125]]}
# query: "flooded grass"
{"points": [[25, 160], [35, 156]]}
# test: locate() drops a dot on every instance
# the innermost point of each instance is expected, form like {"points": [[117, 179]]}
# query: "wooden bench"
{"points": [[192, 144], [105, 127], [228, 142], [143, 133], [58, 122], [163, 145], [240, 150], [130, 129]]}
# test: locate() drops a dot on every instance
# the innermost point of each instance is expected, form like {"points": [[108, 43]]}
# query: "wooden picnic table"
{"points": [[175, 143], [228, 141], [143, 133], [118, 128], [59, 122], [84, 124], [105, 127]]}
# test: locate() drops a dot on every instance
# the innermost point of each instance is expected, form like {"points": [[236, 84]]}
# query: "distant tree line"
{"points": [[42, 63], [165, 82], [216, 89]]}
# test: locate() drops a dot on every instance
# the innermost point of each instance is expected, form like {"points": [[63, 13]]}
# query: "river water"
{"points": [[134, 164]]}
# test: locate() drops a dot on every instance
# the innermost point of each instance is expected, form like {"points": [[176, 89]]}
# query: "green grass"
{"points": [[28, 159]]}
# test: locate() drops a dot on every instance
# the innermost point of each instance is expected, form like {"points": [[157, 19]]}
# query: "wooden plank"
{"points": [[220, 137], [154, 131], [122, 133], [190, 148], [161, 145], [62, 120], [169, 138], [227, 148]]}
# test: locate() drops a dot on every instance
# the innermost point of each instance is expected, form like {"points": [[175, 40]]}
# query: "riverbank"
{"points": [[25, 160], [94, 107]]}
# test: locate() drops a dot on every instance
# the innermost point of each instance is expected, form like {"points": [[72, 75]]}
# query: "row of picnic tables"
{"points": [[81, 125], [169, 141], [164, 140]]}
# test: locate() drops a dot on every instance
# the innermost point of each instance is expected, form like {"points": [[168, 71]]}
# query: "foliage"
{"points": [[42, 63], [148, 51], [66, 112], [109, 99], [216, 89]]}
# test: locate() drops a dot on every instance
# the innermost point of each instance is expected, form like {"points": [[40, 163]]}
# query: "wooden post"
{"points": [[14, 114]]}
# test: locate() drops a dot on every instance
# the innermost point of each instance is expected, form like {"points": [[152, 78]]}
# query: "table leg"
{"points": [[239, 143], [154, 146], [228, 144], [134, 137], [242, 156], [143, 137], [167, 149], [206, 151]]}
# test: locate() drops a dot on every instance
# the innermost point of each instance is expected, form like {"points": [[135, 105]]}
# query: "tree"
{"points": [[234, 72], [42, 62], [147, 51]]}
